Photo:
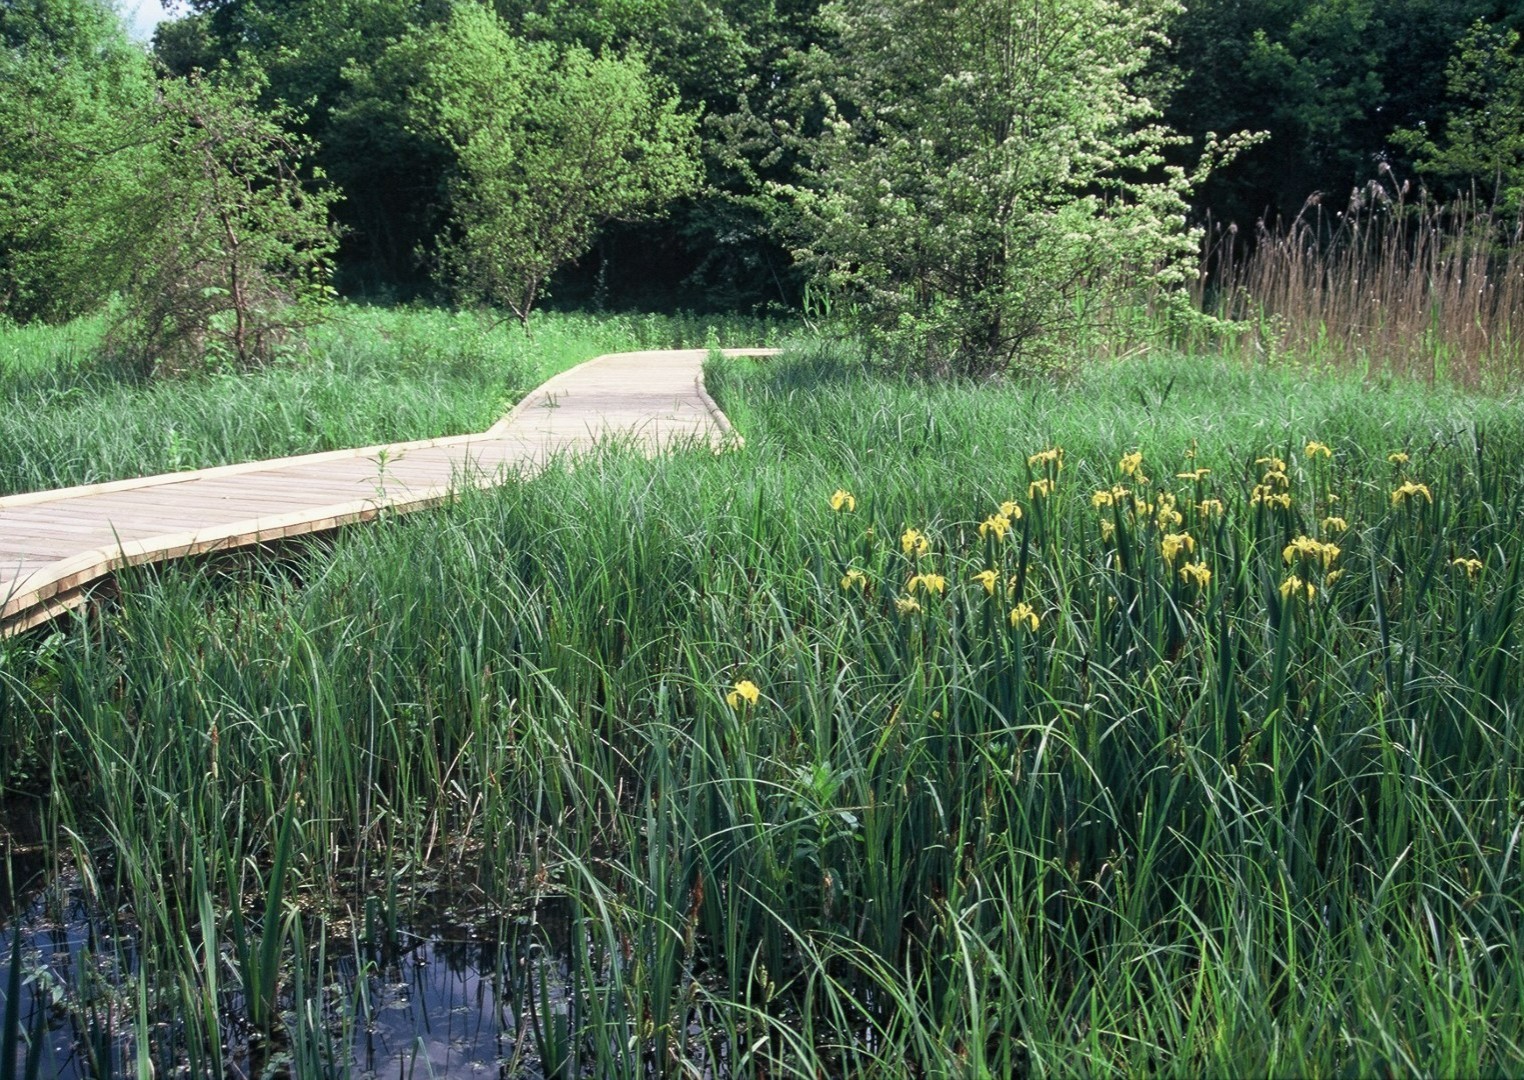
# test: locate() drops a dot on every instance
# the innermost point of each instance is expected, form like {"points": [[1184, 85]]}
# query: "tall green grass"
{"points": [[1175, 827], [69, 415]]}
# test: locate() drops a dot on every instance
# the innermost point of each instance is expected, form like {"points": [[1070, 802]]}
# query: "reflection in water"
{"points": [[438, 1002], [444, 1005]]}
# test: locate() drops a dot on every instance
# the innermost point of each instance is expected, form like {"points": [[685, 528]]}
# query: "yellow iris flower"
{"points": [[1295, 586], [746, 691], [998, 524], [1197, 573], [843, 500], [1409, 491], [1308, 548], [1023, 615], [1174, 543], [932, 583]]}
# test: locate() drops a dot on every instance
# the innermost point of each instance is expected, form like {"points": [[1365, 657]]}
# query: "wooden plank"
{"points": [[650, 401]]}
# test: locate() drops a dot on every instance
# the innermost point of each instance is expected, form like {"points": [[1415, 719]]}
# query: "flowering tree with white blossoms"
{"points": [[986, 174]]}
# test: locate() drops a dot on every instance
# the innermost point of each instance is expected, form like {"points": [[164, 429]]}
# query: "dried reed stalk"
{"points": [[1428, 289]]}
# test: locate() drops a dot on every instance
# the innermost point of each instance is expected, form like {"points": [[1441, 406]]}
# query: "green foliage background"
{"points": [[1343, 90]]}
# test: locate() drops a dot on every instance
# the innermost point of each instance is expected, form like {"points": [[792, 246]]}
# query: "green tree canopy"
{"points": [[223, 239], [1329, 80], [301, 52], [322, 58], [76, 93], [546, 144], [181, 196], [984, 168], [1480, 142]]}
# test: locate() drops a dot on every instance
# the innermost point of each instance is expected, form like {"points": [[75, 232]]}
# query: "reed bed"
{"points": [[1394, 282], [1167, 722]]}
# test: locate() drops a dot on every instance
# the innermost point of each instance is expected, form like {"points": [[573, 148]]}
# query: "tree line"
{"points": [[961, 178]]}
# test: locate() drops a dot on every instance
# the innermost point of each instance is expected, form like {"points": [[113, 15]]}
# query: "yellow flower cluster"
{"points": [[997, 525], [1295, 587], [1174, 543], [1109, 498], [1305, 547], [745, 691], [1472, 567], [914, 543], [1196, 573], [1054, 456], [1181, 526], [1274, 487], [1164, 511], [930, 583]]}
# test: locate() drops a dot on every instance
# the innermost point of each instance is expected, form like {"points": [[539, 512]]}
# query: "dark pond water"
{"points": [[437, 1001]]}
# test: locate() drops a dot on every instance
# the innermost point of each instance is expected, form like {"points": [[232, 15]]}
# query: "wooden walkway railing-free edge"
{"points": [[56, 545]]}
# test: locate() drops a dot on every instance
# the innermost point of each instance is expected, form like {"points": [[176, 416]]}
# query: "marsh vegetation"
{"points": [[1020, 779], [1074, 672]]}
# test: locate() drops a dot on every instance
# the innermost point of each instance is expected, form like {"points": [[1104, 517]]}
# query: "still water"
{"points": [[434, 1001]]}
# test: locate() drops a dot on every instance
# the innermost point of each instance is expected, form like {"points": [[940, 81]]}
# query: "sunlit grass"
{"points": [[365, 376], [1075, 808]]}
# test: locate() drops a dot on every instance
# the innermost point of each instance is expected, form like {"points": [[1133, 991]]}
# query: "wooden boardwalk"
{"points": [[54, 545]]}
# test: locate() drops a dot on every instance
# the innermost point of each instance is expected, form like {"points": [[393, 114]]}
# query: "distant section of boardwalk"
{"points": [[55, 544]]}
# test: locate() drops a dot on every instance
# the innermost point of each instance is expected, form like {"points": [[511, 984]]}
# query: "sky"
{"points": [[142, 16]]}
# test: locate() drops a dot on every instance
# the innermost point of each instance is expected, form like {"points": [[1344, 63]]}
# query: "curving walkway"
{"points": [[55, 544]]}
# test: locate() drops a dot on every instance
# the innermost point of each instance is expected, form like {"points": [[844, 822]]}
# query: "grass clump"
{"points": [[1167, 721]]}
